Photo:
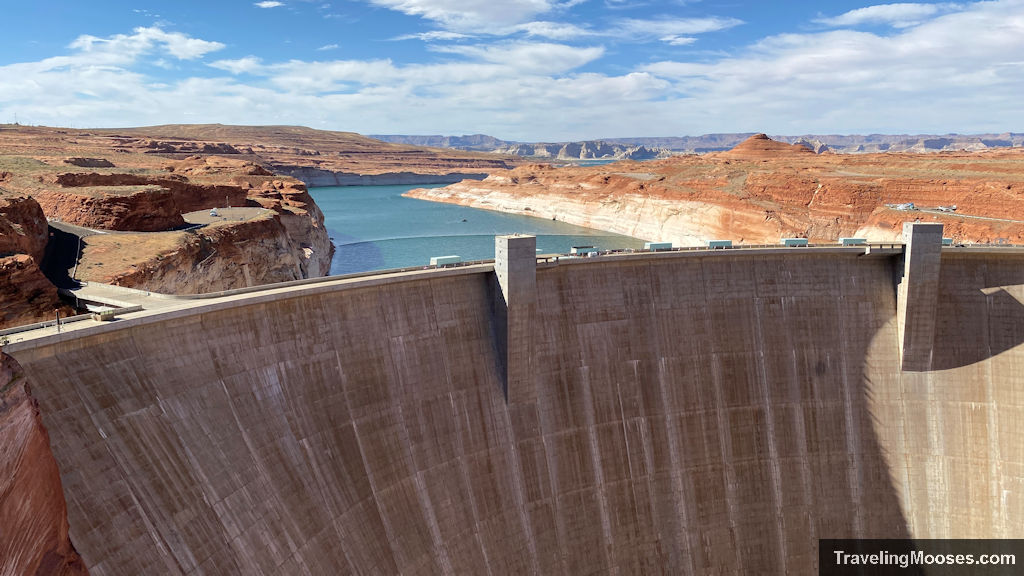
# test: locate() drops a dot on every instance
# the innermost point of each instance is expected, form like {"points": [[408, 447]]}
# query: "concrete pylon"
{"points": [[918, 294], [515, 265]]}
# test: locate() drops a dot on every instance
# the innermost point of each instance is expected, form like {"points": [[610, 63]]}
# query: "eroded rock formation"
{"points": [[25, 293], [33, 513], [140, 203], [136, 204], [763, 190], [216, 257]]}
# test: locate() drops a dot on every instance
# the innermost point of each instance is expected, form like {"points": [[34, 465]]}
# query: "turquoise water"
{"points": [[374, 228]]}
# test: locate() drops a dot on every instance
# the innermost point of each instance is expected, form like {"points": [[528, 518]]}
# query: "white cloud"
{"points": [[124, 47], [672, 27], [268, 4], [247, 65], [541, 58], [956, 72], [679, 40], [554, 30], [959, 71], [473, 16], [677, 31], [327, 47], [434, 35], [900, 15]]}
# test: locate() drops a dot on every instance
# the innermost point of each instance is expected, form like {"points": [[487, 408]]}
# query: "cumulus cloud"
{"points": [[958, 71], [127, 47], [268, 4], [900, 15]]}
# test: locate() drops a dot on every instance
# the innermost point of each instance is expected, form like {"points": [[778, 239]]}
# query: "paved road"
{"points": [[955, 214], [118, 297]]}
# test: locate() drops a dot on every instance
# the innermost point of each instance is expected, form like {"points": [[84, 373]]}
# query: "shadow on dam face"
{"points": [[980, 310], [713, 414]]}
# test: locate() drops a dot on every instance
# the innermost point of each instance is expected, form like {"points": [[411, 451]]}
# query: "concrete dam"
{"points": [[667, 413]]}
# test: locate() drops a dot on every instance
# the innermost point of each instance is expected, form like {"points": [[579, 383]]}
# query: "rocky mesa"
{"points": [[317, 157], [763, 190]]}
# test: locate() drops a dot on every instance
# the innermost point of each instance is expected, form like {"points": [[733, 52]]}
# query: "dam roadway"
{"points": [[666, 413]]}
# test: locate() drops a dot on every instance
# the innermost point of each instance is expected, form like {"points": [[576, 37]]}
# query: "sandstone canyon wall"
{"points": [[764, 190], [686, 413], [33, 514], [25, 293]]}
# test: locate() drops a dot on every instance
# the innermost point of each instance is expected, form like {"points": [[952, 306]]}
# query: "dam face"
{"points": [[682, 414]]}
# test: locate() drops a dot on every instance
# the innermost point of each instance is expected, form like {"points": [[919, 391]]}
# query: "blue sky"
{"points": [[519, 69]]}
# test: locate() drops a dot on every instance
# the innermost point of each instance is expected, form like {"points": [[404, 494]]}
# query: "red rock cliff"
{"points": [[25, 294], [764, 190], [131, 202], [33, 514], [217, 257]]}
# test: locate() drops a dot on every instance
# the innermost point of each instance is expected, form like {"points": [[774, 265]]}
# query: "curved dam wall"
{"points": [[695, 413]]}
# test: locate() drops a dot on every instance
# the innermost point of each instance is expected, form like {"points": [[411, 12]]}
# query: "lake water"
{"points": [[375, 228]]}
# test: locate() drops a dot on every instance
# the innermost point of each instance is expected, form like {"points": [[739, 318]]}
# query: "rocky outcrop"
{"points": [[288, 148], [585, 150], [26, 295], [160, 203], [464, 142], [142, 201], [186, 147], [218, 257], [129, 201], [289, 243], [23, 227], [33, 513], [89, 162], [317, 177], [760, 146], [763, 190], [303, 222]]}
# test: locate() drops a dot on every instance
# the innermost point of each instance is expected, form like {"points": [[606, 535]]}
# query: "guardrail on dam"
{"points": [[666, 413]]}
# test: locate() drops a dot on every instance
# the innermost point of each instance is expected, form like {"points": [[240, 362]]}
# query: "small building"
{"points": [[853, 241], [719, 243], [947, 241], [655, 246], [445, 260], [794, 241], [582, 250]]}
